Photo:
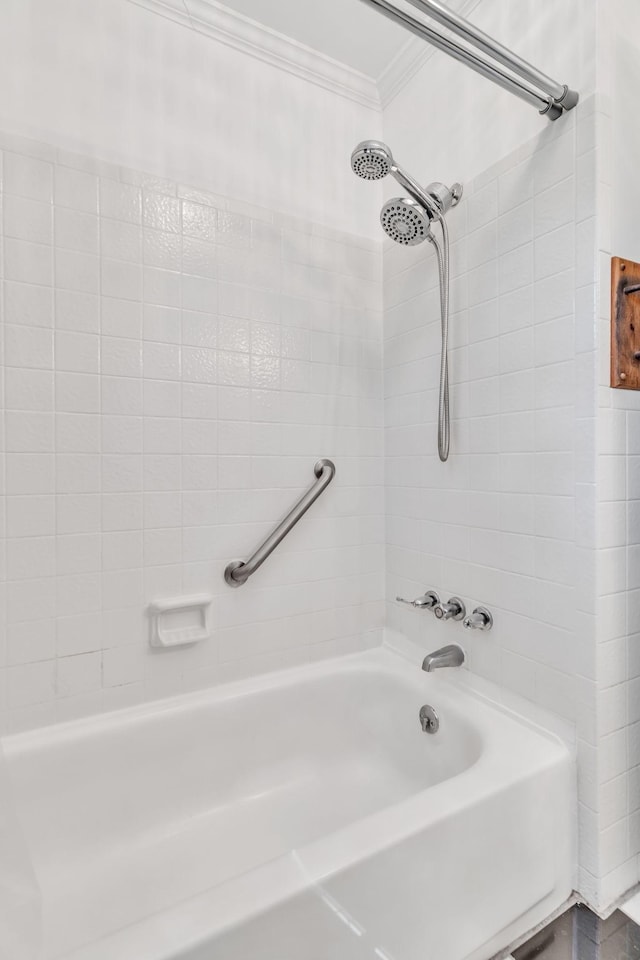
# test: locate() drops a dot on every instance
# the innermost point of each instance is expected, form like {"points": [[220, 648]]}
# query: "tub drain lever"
{"points": [[429, 719]]}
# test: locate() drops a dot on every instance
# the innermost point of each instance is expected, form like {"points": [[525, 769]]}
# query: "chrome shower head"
{"points": [[371, 160], [405, 221]]}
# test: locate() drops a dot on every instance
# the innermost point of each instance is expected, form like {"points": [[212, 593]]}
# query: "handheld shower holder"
{"points": [[445, 197]]}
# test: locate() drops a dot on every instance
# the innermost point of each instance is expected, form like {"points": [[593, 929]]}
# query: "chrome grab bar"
{"points": [[238, 571]]}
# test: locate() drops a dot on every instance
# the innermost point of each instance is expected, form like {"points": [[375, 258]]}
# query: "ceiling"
{"points": [[345, 30]]}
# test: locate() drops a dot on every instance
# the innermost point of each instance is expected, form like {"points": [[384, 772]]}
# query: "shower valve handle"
{"points": [[428, 601], [480, 619], [453, 610]]}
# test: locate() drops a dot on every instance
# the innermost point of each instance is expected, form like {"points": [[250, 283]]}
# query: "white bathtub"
{"points": [[300, 816]]}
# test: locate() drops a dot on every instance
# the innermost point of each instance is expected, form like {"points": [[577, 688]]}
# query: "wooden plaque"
{"points": [[625, 324]]}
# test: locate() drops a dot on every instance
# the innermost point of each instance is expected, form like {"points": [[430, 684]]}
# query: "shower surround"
{"points": [[497, 524], [174, 364], [188, 327], [537, 517]]}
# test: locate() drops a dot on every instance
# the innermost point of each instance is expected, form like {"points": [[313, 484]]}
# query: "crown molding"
{"points": [[404, 66], [169, 9], [218, 21], [226, 26], [411, 58]]}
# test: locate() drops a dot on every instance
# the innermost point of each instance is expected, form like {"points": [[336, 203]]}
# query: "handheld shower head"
{"points": [[371, 160], [408, 222], [405, 221]]}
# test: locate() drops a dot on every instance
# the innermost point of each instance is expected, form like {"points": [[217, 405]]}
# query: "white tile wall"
{"points": [[510, 521], [618, 414], [171, 370], [618, 536], [536, 515]]}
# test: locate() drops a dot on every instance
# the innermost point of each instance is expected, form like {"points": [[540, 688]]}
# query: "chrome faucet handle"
{"points": [[454, 609], [428, 601], [480, 619]]}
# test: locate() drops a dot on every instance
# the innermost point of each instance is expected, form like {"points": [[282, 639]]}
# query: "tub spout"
{"points": [[451, 656]]}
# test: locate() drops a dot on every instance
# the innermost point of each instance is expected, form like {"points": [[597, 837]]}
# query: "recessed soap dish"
{"points": [[180, 621]]}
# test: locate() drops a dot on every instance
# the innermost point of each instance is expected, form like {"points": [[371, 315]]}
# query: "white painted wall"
{"points": [[345, 30], [620, 83], [115, 81]]}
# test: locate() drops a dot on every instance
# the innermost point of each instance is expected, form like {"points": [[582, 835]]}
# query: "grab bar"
{"points": [[238, 571]]}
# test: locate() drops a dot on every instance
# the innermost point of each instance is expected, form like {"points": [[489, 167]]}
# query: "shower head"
{"points": [[371, 160], [405, 221]]}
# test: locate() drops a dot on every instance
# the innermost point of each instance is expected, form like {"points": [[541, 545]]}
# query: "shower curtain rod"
{"points": [[557, 96]]}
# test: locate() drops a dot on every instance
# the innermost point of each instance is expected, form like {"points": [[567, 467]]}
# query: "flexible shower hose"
{"points": [[444, 421]]}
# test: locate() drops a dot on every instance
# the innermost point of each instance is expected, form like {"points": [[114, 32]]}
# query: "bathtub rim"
{"points": [[395, 654]]}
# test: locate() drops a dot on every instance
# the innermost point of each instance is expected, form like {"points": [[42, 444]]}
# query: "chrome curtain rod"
{"points": [[555, 97], [238, 571]]}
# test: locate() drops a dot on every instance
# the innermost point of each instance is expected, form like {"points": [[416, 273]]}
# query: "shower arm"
{"points": [[555, 99]]}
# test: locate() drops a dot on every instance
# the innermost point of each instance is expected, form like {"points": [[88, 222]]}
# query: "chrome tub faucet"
{"points": [[450, 656]]}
